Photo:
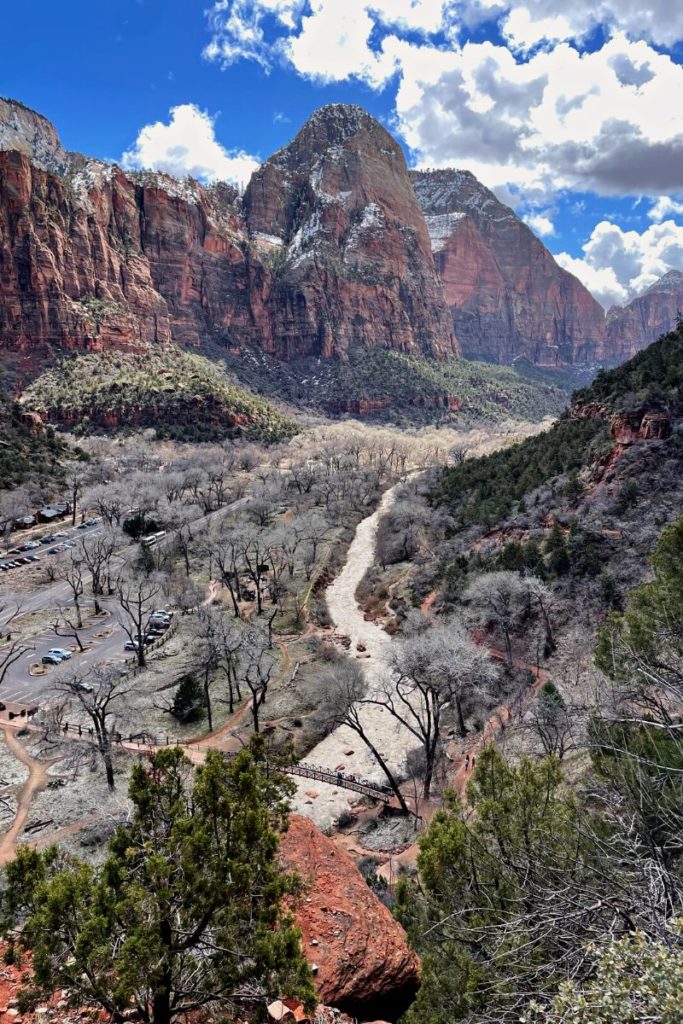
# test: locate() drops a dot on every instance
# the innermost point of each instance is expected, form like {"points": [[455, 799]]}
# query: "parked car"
{"points": [[82, 526], [130, 645], [60, 652], [49, 538], [24, 560], [4, 566], [53, 551], [33, 558], [13, 551], [91, 522], [61, 533], [51, 659], [83, 687], [31, 545]]}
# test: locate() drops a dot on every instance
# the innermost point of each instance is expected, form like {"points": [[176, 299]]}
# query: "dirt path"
{"points": [[37, 781], [466, 762]]}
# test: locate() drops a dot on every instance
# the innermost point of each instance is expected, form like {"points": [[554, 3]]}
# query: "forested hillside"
{"points": [[550, 882]]}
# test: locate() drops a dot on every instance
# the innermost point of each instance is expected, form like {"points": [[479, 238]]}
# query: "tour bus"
{"points": [[152, 538]]}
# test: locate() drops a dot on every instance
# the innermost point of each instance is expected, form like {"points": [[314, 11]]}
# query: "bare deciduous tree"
{"points": [[99, 694]]}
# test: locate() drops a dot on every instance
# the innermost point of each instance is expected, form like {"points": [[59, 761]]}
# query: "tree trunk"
{"points": [[207, 699], [462, 729], [254, 711], [385, 768], [508, 648]]}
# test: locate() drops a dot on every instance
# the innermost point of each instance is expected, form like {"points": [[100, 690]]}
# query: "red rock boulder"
{"points": [[361, 959]]}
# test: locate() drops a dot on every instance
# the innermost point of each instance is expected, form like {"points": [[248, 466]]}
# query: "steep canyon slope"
{"points": [[328, 249], [507, 295]]}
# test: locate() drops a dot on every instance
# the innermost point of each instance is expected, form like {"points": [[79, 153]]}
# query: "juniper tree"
{"points": [[187, 909]]}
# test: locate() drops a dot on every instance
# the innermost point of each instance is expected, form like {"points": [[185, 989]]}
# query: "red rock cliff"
{"points": [[336, 214], [645, 318], [507, 295], [329, 249]]}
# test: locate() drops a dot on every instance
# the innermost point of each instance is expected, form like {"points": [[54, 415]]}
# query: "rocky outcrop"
{"points": [[642, 425], [337, 216], [328, 250], [369, 406], [507, 295], [361, 961], [25, 131], [635, 326]]}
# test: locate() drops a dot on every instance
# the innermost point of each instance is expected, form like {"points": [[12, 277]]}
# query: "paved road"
{"points": [[19, 686]]}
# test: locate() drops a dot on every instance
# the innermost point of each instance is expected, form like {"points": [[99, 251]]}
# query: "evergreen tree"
{"points": [[188, 701], [511, 888], [187, 908]]}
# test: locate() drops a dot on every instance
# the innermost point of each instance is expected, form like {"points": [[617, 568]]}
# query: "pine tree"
{"points": [[187, 908]]}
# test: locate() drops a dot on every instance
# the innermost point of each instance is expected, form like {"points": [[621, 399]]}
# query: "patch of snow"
{"points": [[371, 218], [93, 175], [266, 241], [440, 227], [186, 189]]}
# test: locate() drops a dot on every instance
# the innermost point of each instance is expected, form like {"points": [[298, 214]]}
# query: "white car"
{"points": [[60, 652]]}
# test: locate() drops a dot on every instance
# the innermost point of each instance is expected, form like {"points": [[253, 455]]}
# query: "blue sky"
{"points": [[571, 112]]}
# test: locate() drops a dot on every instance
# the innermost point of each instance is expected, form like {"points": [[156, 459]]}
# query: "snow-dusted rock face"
{"points": [[24, 131], [646, 317], [355, 264], [328, 248], [507, 295]]}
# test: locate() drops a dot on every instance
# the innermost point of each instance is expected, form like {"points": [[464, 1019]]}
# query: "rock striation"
{"points": [[507, 296], [328, 249], [636, 325], [336, 214], [362, 962]]}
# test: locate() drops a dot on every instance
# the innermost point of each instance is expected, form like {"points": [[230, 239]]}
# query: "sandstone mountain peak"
{"points": [[338, 201], [672, 279], [454, 191], [639, 323], [25, 131], [508, 297]]}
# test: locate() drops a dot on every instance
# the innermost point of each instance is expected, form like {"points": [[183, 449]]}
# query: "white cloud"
{"points": [[534, 21], [617, 265], [665, 207], [560, 119], [187, 145], [540, 118], [540, 223]]}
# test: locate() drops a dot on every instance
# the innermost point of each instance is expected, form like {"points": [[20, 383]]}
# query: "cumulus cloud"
{"points": [[618, 265], [534, 112], [533, 21], [541, 223], [665, 207], [560, 119], [187, 145]]}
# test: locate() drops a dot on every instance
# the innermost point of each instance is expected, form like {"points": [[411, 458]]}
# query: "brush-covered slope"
{"points": [[399, 388], [181, 395], [28, 450], [623, 432]]}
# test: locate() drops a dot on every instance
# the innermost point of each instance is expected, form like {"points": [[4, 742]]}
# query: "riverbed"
{"points": [[343, 750]]}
